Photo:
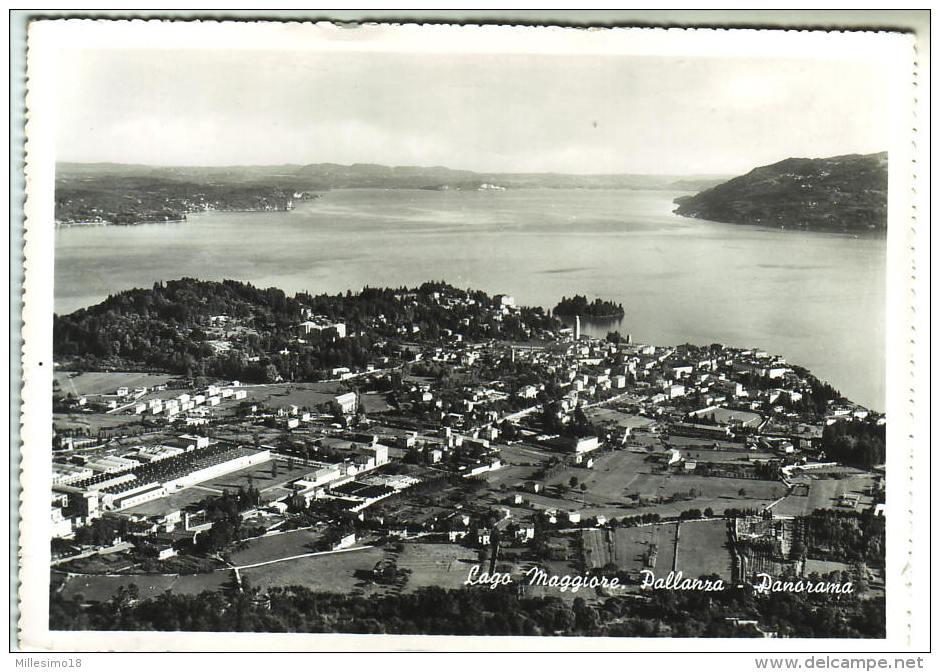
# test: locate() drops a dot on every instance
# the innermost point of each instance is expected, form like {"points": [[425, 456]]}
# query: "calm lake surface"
{"points": [[816, 298]]}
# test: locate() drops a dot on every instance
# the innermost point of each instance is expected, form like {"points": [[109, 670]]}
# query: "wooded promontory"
{"points": [[841, 193]]}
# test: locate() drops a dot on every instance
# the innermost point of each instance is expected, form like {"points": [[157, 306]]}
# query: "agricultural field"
{"points": [[709, 492], [101, 588], [666, 484], [543, 501], [628, 547], [106, 382], [626, 483], [332, 572], [444, 565], [525, 454], [576, 500], [631, 546], [825, 493], [93, 422], [824, 567], [374, 402], [275, 546], [596, 547], [510, 476], [703, 548], [664, 536], [303, 395], [608, 481]]}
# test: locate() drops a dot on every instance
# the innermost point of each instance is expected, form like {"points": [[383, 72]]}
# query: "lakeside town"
{"points": [[375, 455]]}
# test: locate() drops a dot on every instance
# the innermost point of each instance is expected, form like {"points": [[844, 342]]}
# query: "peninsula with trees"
{"points": [[102, 194], [841, 193], [599, 309]]}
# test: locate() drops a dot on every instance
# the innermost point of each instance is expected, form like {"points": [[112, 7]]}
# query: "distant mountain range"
{"points": [[323, 176], [841, 193]]}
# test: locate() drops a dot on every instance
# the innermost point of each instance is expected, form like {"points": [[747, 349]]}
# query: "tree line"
{"points": [[857, 442], [473, 611]]}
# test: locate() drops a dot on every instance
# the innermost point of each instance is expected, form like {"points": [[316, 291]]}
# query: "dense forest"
{"points": [[472, 611], [845, 536], [171, 327], [856, 442]]}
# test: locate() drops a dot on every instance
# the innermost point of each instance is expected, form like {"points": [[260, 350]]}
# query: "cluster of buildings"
{"points": [[185, 403], [321, 326], [351, 482], [345, 479], [112, 401], [87, 487], [158, 402], [446, 449], [713, 393]]}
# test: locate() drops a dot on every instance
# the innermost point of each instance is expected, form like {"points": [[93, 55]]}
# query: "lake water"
{"points": [[816, 298]]}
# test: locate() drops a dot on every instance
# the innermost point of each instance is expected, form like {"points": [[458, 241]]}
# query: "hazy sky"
{"points": [[580, 114]]}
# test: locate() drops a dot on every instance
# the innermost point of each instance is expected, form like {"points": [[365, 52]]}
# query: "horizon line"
{"points": [[440, 167]]}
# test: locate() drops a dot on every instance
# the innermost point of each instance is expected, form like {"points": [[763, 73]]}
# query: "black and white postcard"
{"points": [[526, 338]]}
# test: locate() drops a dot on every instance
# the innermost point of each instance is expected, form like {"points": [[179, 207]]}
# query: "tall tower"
{"points": [[577, 327]]}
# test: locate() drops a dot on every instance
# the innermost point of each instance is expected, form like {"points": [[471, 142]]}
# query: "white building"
{"points": [[584, 444], [320, 326], [346, 403]]}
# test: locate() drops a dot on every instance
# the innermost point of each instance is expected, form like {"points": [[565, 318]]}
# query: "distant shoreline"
{"points": [[185, 218], [857, 233]]}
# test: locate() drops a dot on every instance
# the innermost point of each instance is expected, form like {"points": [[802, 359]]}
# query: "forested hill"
{"points": [[235, 330], [842, 193]]}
